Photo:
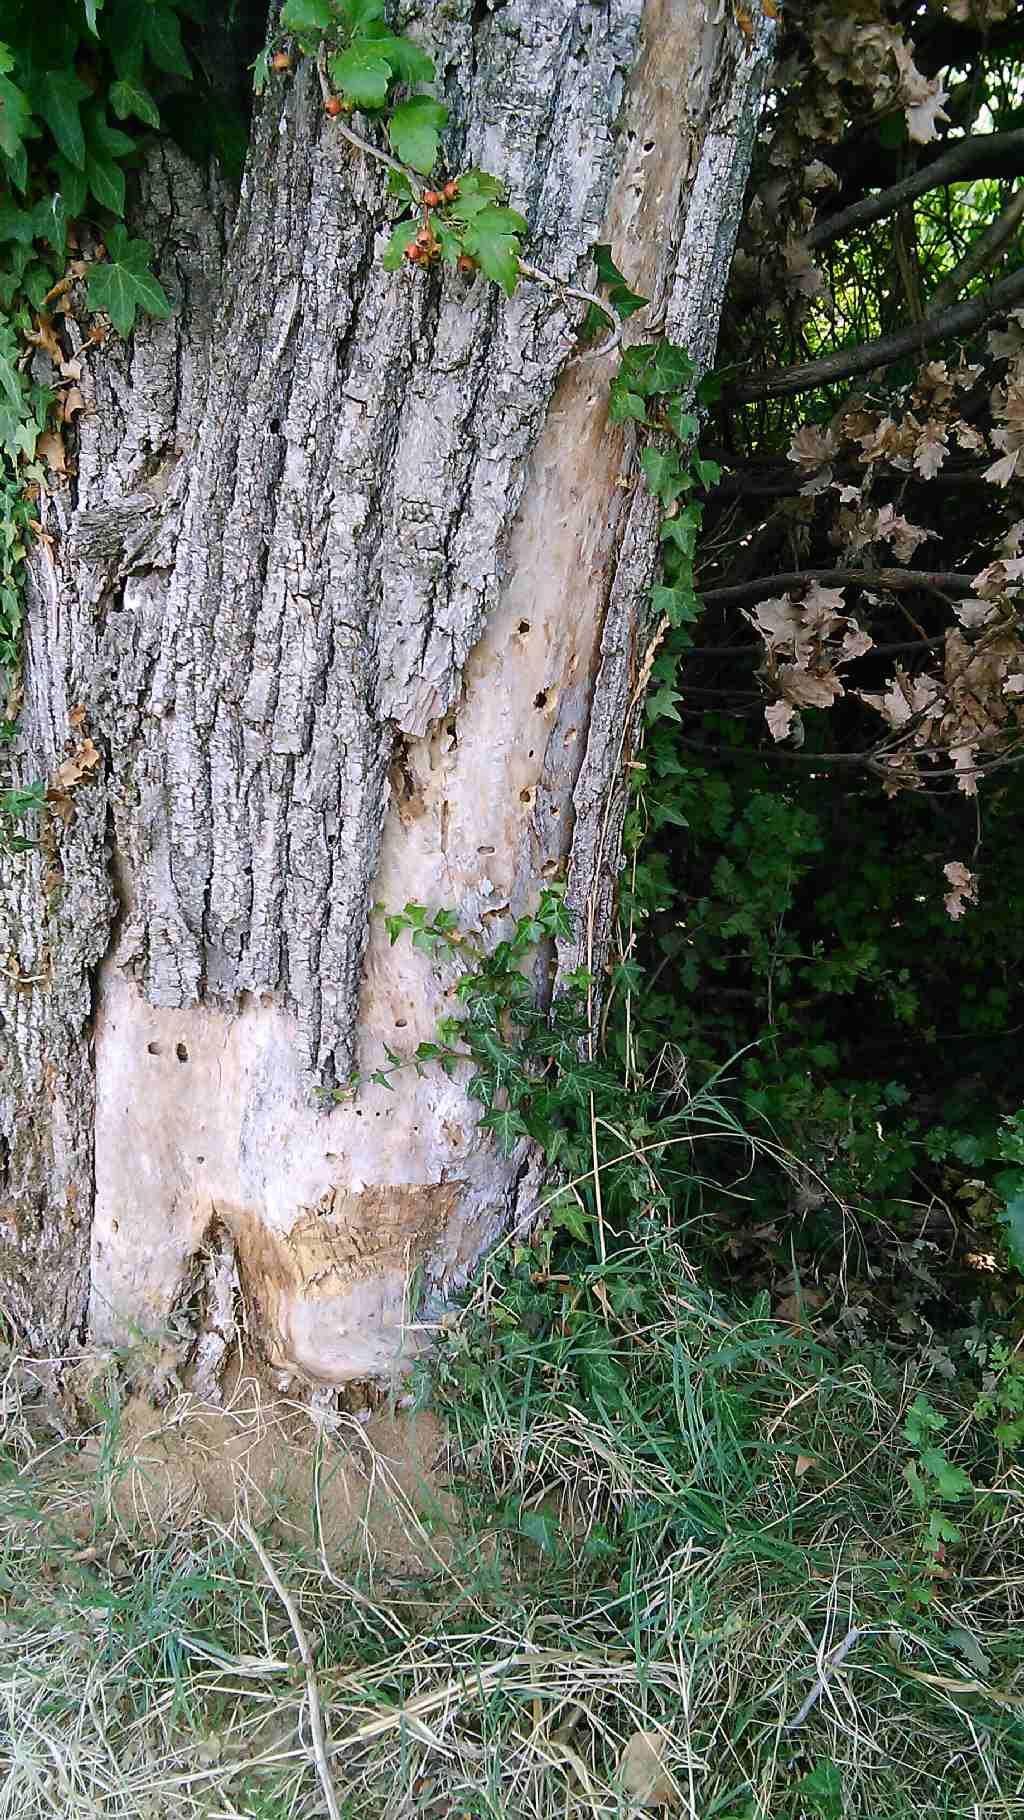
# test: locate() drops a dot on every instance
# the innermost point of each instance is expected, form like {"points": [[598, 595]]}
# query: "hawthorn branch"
{"points": [[980, 255], [966, 157], [962, 319]]}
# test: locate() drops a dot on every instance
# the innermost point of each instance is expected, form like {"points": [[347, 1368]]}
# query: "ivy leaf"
{"points": [[163, 39], [664, 475], [100, 137], [492, 239], [130, 100], [124, 284], [507, 1125], [306, 16], [1011, 1218], [17, 224], [57, 96], [625, 406], [15, 117], [10, 378], [624, 302], [671, 367], [362, 77], [106, 181], [50, 221], [414, 131], [682, 422], [92, 7], [679, 605], [73, 186], [408, 63]]}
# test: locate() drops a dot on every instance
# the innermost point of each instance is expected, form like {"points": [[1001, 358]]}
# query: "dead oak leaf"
{"points": [[75, 768], [51, 447]]}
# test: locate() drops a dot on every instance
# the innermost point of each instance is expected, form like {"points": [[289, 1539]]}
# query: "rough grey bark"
{"points": [[347, 592]]}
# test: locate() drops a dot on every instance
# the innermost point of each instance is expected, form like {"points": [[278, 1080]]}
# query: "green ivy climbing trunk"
{"points": [[348, 593]]}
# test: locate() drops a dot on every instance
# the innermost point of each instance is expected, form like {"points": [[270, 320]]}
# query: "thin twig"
{"points": [[829, 1667], [574, 290], [364, 145], [980, 255], [316, 1720]]}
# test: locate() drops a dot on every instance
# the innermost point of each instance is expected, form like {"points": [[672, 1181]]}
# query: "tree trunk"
{"points": [[348, 593]]}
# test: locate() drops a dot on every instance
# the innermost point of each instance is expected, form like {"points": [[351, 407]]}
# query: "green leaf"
{"points": [[356, 15], [130, 101], [407, 61], [492, 238], [17, 224], [306, 16], [671, 367], [624, 302], [260, 71], [10, 378], [15, 118], [163, 41], [507, 1125], [57, 96], [106, 181], [124, 284], [664, 474], [539, 1529], [625, 406], [414, 131], [1012, 1221], [401, 234], [821, 1792], [102, 138], [682, 422], [50, 221], [479, 184], [73, 187], [678, 605], [362, 77], [92, 7]]}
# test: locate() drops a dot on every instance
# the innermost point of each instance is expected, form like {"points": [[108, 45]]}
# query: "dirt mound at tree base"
{"points": [[369, 1485]]}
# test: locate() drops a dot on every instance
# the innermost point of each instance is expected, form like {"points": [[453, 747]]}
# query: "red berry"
{"points": [[334, 104], [432, 199], [281, 61], [466, 264], [451, 190]]}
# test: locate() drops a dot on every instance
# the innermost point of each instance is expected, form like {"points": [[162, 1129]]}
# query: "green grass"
{"points": [[674, 1514]]}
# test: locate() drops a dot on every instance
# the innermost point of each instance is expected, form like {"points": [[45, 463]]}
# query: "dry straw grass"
{"points": [[151, 1671]]}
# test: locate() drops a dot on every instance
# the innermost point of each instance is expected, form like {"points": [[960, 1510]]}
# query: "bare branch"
{"points": [[967, 156], [980, 255], [961, 320], [887, 579]]}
